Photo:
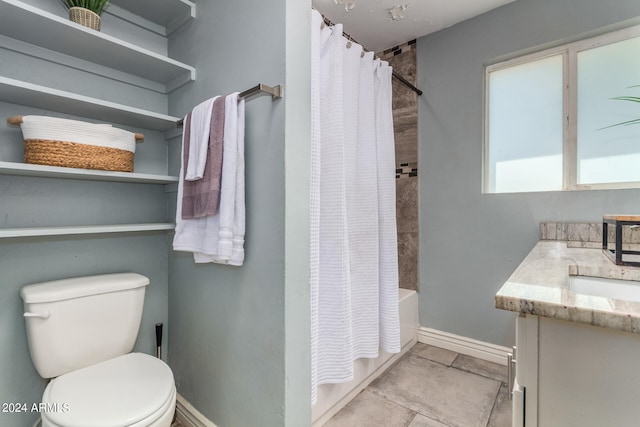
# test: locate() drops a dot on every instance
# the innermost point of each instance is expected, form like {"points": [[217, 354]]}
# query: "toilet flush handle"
{"points": [[43, 315]]}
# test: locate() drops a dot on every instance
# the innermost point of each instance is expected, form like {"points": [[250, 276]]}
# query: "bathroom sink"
{"points": [[628, 290]]}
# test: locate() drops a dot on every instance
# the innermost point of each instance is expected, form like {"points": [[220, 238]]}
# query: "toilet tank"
{"points": [[73, 323]]}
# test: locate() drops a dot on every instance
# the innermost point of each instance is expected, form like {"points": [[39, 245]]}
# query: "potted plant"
{"points": [[86, 12], [630, 99]]}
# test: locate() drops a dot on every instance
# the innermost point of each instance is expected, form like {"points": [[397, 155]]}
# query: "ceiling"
{"points": [[370, 21]]}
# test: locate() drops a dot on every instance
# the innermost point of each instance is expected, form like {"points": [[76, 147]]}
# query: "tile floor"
{"points": [[432, 387]]}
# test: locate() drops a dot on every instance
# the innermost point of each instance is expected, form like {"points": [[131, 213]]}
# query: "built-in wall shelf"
{"points": [[25, 93], [83, 230], [41, 171], [160, 16], [51, 37], [29, 24]]}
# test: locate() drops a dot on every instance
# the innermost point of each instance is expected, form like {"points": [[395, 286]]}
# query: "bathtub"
{"points": [[333, 397]]}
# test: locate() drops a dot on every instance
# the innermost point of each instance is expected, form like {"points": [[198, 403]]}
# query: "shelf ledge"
{"points": [[164, 18], [83, 230], [29, 24], [33, 95], [43, 171]]}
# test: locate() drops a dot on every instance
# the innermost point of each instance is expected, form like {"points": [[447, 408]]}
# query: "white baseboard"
{"points": [[185, 413], [463, 345], [189, 416]]}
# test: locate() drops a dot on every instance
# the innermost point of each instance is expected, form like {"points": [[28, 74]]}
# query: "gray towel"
{"points": [[202, 197]]}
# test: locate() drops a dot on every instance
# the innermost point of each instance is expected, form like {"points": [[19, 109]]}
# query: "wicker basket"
{"points": [[70, 143], [85, 17]]}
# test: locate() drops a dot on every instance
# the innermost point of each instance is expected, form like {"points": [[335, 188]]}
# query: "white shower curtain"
{"points": [[353, 254]]}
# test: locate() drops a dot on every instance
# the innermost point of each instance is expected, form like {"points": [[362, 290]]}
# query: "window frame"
{"points": [[569, 52]]}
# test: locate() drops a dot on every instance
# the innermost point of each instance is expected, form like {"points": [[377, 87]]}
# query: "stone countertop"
{"points": [[540, 286]]}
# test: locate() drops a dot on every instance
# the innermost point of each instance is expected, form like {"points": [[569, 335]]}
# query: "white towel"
{"points": [[193, 235], [237, 256], [202, 235], [389, 317], [229, 174], [232, 207], [200, 129]]}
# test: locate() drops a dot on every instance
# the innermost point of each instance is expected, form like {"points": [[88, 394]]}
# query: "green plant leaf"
{"points": [[96, 6], [627, 123], [627, 98]]}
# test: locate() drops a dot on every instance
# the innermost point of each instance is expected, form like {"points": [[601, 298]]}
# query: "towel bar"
{"points": [[260, 88], [275, 92]]}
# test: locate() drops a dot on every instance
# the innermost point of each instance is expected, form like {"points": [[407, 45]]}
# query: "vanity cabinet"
{"points": [[574, 374], [576, 351]]}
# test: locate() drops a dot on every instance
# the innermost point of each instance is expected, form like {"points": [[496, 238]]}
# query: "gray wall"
{"points": [[24, 261], [39, 202], [29, 202], [471, 242], [240, 335], [241, 351]]}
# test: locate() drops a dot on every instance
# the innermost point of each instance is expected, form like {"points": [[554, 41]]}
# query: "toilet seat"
{"points": [[130, 390]]}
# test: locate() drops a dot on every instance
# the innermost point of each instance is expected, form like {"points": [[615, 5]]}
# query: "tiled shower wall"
{"points": [[405, 121]]}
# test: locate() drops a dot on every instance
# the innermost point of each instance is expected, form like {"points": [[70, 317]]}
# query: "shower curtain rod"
{"points": [[400, 78], [260, 88]]}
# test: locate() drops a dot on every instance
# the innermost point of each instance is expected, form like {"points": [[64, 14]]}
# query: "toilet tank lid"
{"points": [[59, 290]]}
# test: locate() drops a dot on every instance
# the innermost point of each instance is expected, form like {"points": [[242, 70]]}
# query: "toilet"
{"points": [[81, 332]]}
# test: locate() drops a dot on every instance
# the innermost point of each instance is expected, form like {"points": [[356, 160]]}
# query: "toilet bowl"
{"points": [[131, 390], [80, 334]]}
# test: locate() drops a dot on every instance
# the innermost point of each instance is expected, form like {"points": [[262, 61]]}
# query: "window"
{"points": [[552, 122]]}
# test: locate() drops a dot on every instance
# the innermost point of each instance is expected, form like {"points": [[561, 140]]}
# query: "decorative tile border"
{"points": [[397, 50], [407, 170]]}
